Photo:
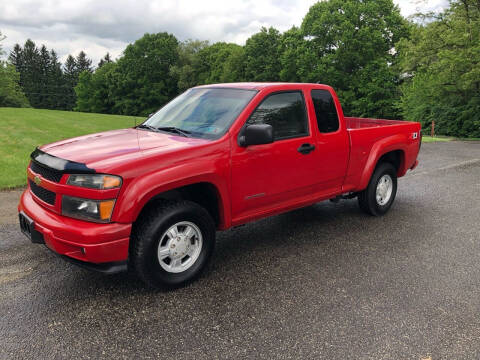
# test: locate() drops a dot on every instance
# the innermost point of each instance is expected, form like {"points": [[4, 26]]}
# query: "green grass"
{"points": [[427, 139], [21, 130], [446, 138]]}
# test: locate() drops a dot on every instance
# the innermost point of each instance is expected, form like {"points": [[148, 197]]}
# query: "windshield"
{"points": [[201, 112]]}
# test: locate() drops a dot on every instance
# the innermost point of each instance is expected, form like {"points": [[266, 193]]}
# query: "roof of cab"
{"points": [[259, 85]]}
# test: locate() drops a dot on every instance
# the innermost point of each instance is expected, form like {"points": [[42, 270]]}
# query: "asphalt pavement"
{"points": [[323, 282]]}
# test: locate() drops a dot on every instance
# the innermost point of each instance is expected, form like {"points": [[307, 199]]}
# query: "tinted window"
{"points": [[285, 112], [325, 111]]}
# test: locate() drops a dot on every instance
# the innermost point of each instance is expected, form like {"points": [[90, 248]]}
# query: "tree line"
{"points": [[381, 64], [45, 81]]}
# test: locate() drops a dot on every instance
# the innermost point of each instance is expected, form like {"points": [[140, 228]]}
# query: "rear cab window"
{"points": [[325, 111], [285, 111]]}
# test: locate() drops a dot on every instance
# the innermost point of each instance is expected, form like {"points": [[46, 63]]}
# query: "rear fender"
{"points": [[380, 148]]}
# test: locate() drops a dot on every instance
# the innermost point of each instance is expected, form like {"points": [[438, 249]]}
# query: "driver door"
{"points": [[270, 176]]}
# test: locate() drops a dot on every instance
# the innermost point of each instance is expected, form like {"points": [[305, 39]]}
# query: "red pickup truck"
{"points": [[151, 197]]}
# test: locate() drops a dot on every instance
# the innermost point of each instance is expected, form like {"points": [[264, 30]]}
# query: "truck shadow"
{"points": [[319, 224], [325, 231]]}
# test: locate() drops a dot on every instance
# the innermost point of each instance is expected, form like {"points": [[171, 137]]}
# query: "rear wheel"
{"points": [[380, 193], [172, 243]]}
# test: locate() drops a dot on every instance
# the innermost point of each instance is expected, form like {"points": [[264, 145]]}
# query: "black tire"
{"points": [[147, 234], [367, 199]]}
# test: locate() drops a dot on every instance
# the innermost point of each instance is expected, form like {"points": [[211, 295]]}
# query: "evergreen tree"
{"points": [[31, 74], [71, 78], [44, 85], [56, 83], [105, 60], [83, 63], [16, 57]]}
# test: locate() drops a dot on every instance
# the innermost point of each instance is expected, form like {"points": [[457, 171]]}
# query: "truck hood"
{"points": [[104, 148]]}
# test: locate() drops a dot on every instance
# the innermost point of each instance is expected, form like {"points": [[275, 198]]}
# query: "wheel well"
{"points": [[204, 194], [396, 158]]}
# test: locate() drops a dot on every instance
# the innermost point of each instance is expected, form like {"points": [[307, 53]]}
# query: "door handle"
{"points": [[306, 148]]}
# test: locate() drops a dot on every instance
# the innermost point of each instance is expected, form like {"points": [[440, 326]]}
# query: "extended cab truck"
{"points": [[152, 197]]}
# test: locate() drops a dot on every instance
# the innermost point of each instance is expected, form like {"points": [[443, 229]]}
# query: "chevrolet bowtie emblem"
{"points": [[37, 180]]}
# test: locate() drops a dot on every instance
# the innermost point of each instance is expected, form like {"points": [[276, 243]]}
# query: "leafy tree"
{"points": [[93, 90], [184, 70], [10, 91], [441, 62], [234, 65], [213, 63], [142, 80], [292, 44], [346, 41], [262, 56]]}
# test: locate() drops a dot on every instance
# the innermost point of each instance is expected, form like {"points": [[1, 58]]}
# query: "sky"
{"points": [[101, 26]]}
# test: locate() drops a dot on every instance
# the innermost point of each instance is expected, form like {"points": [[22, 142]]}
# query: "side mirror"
{"points": [[150, 115], [256, 135]]}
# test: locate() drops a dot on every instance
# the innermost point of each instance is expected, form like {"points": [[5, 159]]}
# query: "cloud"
{"points": [[109, 25], [409, 7]]}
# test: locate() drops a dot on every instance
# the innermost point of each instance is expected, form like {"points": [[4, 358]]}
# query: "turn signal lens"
{"points": [[111, 182], [106, 209], [95, 181]]}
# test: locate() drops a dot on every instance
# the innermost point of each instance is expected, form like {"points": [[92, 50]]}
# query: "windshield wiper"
{"points": [[174, 129], [145, 126]]}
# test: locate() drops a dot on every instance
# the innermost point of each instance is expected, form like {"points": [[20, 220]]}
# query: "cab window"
{"points": [[325, 111], [285, 112]]}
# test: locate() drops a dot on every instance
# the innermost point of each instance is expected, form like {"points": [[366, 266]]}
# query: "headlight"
{"points": [[95, 181], [87, 209]]}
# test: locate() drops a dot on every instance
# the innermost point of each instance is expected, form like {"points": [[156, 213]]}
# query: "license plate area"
{"points": [[27, 227]]}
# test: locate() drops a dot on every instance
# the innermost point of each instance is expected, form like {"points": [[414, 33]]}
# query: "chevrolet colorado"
{"points": [[151, 198]]}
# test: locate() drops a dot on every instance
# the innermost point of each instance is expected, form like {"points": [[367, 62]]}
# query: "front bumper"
{"points": [[83, 241]]}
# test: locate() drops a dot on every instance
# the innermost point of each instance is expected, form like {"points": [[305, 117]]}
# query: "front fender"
{"points": [[143, 188]]}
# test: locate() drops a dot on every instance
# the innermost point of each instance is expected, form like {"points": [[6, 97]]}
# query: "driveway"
{"points": [[324, 282]]}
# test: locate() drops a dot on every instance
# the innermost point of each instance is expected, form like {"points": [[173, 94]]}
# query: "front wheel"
{"points": [[380, 193], [172, 243]]}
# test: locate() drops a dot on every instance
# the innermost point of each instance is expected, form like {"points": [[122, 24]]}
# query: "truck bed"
{"points": [[360, 123], [365, 133]]}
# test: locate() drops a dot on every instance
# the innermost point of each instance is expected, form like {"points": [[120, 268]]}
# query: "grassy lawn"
{"points": [[446, 138], [435, 139], [21, 130]]}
